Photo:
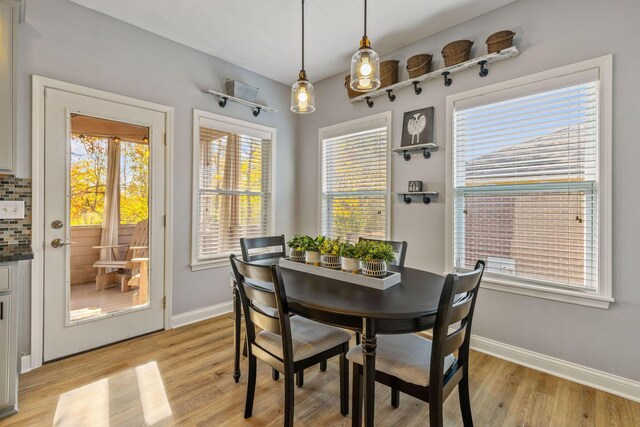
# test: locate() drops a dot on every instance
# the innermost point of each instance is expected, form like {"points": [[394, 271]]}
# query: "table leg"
{"points": [[369, 343], [236, 334]]}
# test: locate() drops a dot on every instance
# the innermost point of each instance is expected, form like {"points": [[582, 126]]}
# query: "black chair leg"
{"points": [[244, 349], [323, 366], [344, 384], [300, 378], [251, 387], [435, 413], [275, 374], [395, 397], [465, 402], [356, 396], [289, 396]]}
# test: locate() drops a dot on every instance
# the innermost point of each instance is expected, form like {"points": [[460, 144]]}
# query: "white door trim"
{"points": [[39, 86]]}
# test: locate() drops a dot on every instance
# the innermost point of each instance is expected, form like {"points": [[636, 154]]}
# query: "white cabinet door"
{"points": [[7, 377], [7, 99]]}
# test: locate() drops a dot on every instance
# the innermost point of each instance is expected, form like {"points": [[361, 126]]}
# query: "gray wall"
{"points": [[550, 33], [67, 42]]}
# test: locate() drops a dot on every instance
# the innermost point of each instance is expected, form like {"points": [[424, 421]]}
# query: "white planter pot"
{"points": [[374, 268], [296, 255], [351, 265], [330, 261], [312, 257]]}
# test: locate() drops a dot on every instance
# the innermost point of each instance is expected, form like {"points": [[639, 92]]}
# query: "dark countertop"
{"points": [[10, 253]]}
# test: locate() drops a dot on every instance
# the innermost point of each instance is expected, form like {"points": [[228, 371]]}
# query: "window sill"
{"points": [[562, 295], [213, 263]]}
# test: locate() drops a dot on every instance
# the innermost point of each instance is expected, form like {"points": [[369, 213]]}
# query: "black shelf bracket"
{"points": [[223, 102], [406, 155], [447, 79], [390, 94], [256, 111], [426, 199], [407, 199], [426, 153], [416, 88], [484, 72], [369, 101]]}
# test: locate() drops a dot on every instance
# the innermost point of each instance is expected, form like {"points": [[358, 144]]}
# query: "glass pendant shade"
{"points": [[303, 97], [365, 70]]}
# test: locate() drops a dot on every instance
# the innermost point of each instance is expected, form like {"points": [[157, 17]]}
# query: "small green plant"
{"points": [[370, 250], [310, 244], [347, 250], [330, 247], [296, 242]]}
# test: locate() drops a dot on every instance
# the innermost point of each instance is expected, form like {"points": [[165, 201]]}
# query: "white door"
{"points": [[127, 299]]}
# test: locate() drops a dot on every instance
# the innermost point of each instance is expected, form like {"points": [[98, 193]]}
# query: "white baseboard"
{"points": [[205, 313], [600, 380], [25, 364]]}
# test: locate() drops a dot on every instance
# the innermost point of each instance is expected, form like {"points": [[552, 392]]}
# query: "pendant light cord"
{"points": [[303, 34], [365, 18]]}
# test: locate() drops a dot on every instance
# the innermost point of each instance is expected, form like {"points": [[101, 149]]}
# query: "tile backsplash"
{"points": [[16, 231]]}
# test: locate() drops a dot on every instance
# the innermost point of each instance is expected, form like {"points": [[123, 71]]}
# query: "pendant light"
{"points": [[302, 94], [365, 64]]}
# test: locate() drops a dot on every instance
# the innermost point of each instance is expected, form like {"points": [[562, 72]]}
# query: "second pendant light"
{"points": [[365, 64], [302, 93]]}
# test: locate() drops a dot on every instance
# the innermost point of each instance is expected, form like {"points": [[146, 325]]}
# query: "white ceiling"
{"points": [[264, 35]]}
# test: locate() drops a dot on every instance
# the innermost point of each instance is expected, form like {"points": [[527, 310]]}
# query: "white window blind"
{"points": [[234, 191], [526, 186], [354, 184]]}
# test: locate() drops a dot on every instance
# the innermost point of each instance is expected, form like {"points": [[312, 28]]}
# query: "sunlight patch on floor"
{"points": [[153, 396], [88, 405]]}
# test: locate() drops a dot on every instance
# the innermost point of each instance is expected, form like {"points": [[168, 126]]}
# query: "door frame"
{"points": [[39, 87]]}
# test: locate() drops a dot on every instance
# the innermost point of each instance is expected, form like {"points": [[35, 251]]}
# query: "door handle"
{"points": [[58, 243]]}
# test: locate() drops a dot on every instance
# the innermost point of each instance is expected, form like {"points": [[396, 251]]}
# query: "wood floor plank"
{"points": [[183, 377]]}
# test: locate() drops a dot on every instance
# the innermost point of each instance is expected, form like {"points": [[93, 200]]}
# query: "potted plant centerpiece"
{"points": [[375, 255], [311, 248], [297, 252], [330, 253], [348, 258]]}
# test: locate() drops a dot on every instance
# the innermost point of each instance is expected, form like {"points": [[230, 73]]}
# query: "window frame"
{"points": [[230, 123], [353, 126], [604, 295]]}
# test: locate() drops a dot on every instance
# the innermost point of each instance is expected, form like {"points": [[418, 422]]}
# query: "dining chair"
{"points": [[263, 248], [288, 344], [399, 248], [423, 368]]}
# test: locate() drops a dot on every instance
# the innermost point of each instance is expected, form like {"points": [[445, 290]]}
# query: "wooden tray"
{"points": [[381, 283]]}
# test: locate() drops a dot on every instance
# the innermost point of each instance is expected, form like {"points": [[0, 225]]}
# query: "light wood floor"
{"points": [[86, 301], [183, 377]]}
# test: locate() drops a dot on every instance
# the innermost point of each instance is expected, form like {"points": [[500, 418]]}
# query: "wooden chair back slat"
{"points": [[140, 238], [400, 248], [261, 296], [260, 273], [454, 340], [264, 321], [277, 243], [460, 310]]}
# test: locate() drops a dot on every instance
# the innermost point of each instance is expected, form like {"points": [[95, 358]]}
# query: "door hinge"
{"points": [[164, 220], [164, 302], [165, 139]]}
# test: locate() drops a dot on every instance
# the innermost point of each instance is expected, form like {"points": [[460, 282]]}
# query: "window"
{"points": [[232, 187], [528, 183], [354, 178]]}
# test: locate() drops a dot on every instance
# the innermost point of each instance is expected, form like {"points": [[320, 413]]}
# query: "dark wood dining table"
{"points": [[407, 307]]}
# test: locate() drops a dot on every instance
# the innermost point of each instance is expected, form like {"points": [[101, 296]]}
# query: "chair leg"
{"points": [[465, 402], [275, 374], [395, 397], [357, 338], [244, 349], [435, 413], [323, 366], [356, 396], [344, 384], [289, 396], [251, 387], [300, 378]]}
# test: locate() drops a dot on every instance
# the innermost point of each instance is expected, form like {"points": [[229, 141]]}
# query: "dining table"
{"points": [[407, 307]]}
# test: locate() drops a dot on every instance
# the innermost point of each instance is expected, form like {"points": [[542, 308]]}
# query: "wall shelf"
{"points": [[406, 151], [223, 98], [443, 73], [426, 196]]}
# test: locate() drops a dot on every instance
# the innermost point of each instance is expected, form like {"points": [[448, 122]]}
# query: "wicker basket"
{"points": [[374, 268], [456, 52], [296, 255], [388, 73], [350, 92], [330, 261], [500, 40], [418, 65]]}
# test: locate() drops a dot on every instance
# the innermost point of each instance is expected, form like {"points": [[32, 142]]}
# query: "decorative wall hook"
{"points": [[256, 112], [369, 101], [447, 79], [390, 94], [223, 102], [484, 72], [417, 89]]}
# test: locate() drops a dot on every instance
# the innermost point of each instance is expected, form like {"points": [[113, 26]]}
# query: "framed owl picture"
{"points": [[417, 127]]}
